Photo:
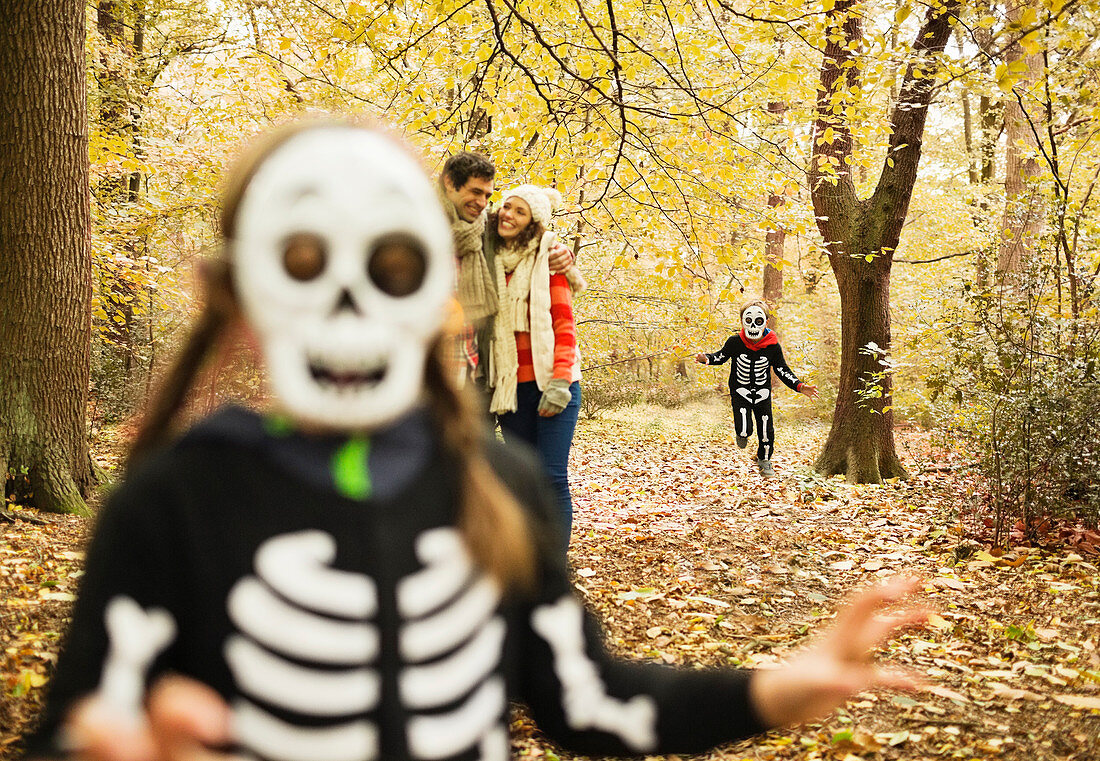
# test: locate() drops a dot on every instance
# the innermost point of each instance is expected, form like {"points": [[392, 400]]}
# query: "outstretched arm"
{"points": [[719, 357], [786, 374], [841, 664]]}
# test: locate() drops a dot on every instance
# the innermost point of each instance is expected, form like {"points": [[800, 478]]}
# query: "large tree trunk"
{"points": [[45, 267], [862, 236], [860, 445]]}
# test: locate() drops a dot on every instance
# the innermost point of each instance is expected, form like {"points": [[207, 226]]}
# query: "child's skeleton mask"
{"points": [[753, 321], [344, 266]]}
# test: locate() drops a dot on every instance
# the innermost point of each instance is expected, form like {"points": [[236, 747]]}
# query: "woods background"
{"points": [[910, 184]]}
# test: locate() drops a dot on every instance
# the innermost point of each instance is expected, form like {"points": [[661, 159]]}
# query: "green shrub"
{"points": [[1024, 378]]}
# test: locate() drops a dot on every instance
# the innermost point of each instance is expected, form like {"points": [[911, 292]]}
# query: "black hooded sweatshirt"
{"points": [[347, 623]]}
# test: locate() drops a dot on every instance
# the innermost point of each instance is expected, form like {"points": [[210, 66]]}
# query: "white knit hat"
{"points": [[543, 201]]}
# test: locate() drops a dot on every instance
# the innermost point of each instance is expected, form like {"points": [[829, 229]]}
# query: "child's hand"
{"points": [[701, 358], [841, 664], [808, 390], [187, 721]]}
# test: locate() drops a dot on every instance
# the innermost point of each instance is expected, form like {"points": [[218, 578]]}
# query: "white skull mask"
{"points": [[753, 320], [343, 261]]}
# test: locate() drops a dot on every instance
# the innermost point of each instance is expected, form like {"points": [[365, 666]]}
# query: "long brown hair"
{"points": [[494, 526]]}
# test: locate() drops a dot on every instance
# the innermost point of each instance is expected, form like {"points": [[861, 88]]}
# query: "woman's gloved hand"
{"points": [[555, 397]]}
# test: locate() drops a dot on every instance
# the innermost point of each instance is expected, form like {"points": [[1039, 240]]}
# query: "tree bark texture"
{"points": [[45, 265], [773, 265], [772, 285], [1024, 212], [861, 236]]}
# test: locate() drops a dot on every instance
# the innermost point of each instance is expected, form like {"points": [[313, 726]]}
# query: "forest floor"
{"points": [[690, 557]]}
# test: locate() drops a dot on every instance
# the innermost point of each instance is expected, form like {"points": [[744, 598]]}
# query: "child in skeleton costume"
{"points": [[755, 352], [361, 573]]}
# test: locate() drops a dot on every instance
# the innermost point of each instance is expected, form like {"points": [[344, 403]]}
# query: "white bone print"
{"points": [[136, 636], [307, 645], [584, 695], [450, 608], [744, 369], [760, 370], [279, 741], [298, 565], [443, 735], [296, 568]]}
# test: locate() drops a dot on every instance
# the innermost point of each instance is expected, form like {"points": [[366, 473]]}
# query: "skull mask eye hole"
{"points": [[397, 265], [304, 256]]}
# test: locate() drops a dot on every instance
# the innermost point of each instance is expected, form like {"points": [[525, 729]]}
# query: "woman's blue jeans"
{"points": [[551, 437]]}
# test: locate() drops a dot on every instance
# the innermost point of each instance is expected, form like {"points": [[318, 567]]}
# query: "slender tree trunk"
{"points": [[112, 192], [985, 154], [773, 256], [973, 163], [1024, 212], [773, 266], [45, 265], [772, 286], [138, 46]]}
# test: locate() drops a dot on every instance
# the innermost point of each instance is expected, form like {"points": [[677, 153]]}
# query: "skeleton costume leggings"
{"points": [[745, 412]]}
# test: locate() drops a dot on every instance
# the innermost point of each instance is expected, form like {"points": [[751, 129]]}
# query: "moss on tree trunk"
{"points": [[45, 266]]}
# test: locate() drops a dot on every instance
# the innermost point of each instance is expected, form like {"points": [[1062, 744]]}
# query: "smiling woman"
{"points": [[536, 366]]}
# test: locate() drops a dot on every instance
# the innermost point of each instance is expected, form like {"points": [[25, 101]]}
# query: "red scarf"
{"points": [[767, 339]]}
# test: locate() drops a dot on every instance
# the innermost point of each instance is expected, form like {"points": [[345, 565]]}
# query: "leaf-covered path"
{"points": [[691, 557]]}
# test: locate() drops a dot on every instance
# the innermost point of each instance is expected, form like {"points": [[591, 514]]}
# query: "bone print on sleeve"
{"points": [[723, 355], [782, 370], [592, 703]]}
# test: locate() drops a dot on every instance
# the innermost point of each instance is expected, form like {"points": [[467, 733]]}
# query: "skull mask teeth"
{"points": [[343, 262], [753, 320]]}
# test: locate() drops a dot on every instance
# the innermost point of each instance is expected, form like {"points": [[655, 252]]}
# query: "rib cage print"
{"points": [[305, 657], [452, 640], [760, 370], [297, 607], [743, 370], [751, 372]]}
